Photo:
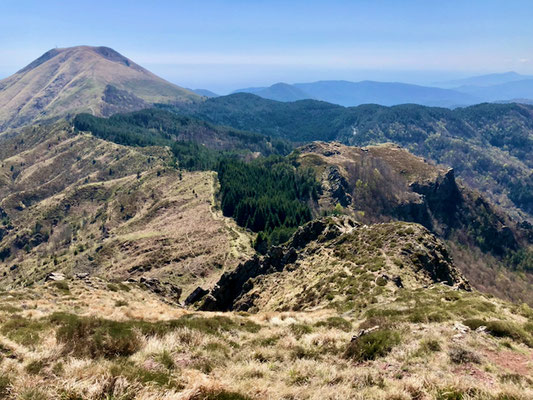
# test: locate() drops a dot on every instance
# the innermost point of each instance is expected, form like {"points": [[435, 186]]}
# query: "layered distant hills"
{"points": [[97, 80], [486, 88]]}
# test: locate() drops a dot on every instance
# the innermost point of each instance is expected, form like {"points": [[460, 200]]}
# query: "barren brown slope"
{"points": [[76, 204], [97, 80]]}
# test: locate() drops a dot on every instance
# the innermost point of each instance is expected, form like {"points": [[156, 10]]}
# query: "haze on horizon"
{"points": [[226, 45]]}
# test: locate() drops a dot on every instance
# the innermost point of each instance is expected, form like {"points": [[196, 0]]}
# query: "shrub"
{"points": [[509, 329], [35, 367], [513, 378], [300, 352], [135, 373], [94, 337], [210, 325], [62, 285], [300, 329], [58, 369], [336, 322], [474, 323], [267, 341], [460, 355], [381, 281], [430, 345], [373, 345], [166, 360], [5, 384], [23, 331], [503, 329], [112, 287], [123, 286]]}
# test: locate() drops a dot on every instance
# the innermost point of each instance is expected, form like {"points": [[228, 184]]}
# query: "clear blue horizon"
{"points": [[226, 45]]}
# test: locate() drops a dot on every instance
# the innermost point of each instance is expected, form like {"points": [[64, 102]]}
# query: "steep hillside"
{"points": [[304, 120], [159, 127], [336, 262], [73, 203], [386, 183], [97, 80]]}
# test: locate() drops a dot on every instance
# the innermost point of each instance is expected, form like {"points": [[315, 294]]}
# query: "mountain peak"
{"points": [[93, 79], [106, 53]]}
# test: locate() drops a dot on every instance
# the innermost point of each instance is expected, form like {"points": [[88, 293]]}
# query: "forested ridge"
{"points": [[269, 195], [272, 194], [490, 146]]}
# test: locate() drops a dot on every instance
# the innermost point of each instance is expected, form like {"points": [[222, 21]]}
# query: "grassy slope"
{"points": [[74, 80], [59, 340], [79, 204]]}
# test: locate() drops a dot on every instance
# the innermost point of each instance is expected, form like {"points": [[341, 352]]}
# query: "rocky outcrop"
{"points": [[164, 289], [336, 186], [196, 295], [385, 182], [441, 195], [329, 255], [54, 277], [233, 284]]}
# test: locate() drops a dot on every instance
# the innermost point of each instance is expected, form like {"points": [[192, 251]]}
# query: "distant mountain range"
{"points": [[504, 87], [484, 80], [67, 81], [279, 91], [204, 92], [102, 82]]}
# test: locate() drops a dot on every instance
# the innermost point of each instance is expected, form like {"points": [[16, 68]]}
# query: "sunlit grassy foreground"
{"points": [[81, 340]]}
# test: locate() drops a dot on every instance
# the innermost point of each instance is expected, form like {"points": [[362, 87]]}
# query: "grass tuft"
{"points": [[373, 345]]}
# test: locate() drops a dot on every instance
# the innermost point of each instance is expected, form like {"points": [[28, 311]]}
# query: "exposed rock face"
{"points": [[336, 186], [163, 289], [54, 276], [294, 276], [385, 182], [234, 283], [195, 295], [441, 196]]}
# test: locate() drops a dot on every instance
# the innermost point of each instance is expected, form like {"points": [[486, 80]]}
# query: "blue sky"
{"points": [[225, 45]]}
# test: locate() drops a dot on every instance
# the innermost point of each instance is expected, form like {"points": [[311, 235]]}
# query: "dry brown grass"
{"points": [[98, 215], [271, 355]]}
